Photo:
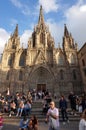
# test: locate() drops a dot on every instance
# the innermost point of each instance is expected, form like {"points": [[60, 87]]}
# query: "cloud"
{"points": [[83, 8], [25, 37], [4, 35], [13, 22], [17, 3], [49, 5], [56, 29], [76, 21], [24, 8], [75, 18]]}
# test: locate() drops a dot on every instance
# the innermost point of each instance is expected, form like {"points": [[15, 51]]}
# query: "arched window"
{"points": [[22, 60], [41, 38], [72, 59], [0, 58], [20, 75], [13, 46], [83, 62], [61, 74], [10, 60], [8, 74], [34, 37], [60, 60], [74, 75]]}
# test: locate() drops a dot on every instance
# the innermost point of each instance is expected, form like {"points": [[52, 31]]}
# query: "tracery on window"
{"points": [[8, 75], [72, 59], [13, 46], [41, 38], [22, 60], [10, 60], [61, 74], [20, 75], [60, 60], [74, 75]]}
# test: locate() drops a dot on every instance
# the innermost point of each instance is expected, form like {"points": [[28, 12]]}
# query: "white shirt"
{"points": [[53, 121], [82, 124]]}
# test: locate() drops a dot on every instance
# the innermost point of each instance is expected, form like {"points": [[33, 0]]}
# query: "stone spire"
{"points": [[66, 33], [15, 34], [41, 17]]}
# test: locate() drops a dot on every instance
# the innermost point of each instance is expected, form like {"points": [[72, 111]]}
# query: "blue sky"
{"points": [[25, 13]]}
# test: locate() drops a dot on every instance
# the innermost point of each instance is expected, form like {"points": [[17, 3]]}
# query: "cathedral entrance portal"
{"points": [[41, 79], [41, 87]]}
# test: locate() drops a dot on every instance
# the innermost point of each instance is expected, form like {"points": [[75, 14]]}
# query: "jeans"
{"points": [[64, 114], [56, 128]]}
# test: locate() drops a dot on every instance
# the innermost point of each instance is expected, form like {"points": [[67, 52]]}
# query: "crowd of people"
{"points": [[20, 105]]}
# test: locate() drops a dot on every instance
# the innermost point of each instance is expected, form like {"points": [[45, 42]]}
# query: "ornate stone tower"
{"points": [[40, 65]]}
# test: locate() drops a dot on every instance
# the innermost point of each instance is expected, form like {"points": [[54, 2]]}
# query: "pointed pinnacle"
{"points": [[66, 33], [16, 31], [41, 17]]}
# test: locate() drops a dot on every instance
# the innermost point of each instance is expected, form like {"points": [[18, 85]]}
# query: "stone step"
{"points": [[17, 120], [37, 110], [41, 118]]}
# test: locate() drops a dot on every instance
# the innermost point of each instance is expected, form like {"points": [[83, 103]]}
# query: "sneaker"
{"points": [[71, 113], [17, 115], [64, 123], [75, 114], [10, 115], [67, 121]]}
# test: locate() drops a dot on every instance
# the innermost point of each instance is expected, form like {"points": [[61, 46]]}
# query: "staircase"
{"points": [[37, 110]]}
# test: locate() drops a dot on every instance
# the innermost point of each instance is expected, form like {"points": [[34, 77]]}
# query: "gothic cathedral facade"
{"points": [[40, 66]]}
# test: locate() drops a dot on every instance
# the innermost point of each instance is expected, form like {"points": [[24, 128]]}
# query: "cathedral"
{"points": [[40, 66]]}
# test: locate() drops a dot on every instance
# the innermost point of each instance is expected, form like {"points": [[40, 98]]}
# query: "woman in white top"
{"points": [[82, 123]]}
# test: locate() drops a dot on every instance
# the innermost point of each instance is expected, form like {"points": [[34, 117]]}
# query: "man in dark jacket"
{"points": [[63, 108]]}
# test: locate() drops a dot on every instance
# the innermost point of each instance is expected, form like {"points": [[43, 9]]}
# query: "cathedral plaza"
{"points": [[41, 68]]}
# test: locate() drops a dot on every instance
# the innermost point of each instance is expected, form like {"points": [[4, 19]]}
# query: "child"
{"points": [[1, 121], [33, 123]]}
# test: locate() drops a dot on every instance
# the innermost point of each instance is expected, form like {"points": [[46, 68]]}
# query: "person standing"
{"points": [[1, 121], [82, 123], [72, 99], [53, 117], [63, 108]]}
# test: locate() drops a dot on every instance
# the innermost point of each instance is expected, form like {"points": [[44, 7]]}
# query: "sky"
{"points": [[25, 13]]}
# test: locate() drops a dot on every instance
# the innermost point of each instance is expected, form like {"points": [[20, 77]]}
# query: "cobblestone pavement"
{"points": [[42, 126]]}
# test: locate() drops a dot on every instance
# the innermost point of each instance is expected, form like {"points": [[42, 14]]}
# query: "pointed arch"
{"points": [[72, 59], [13, 46], [61, 74], [10, 60], [0, 58], [8, 75], [74, 74], [60, 59], [20, 75], [22, 60], [42, 38]]}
